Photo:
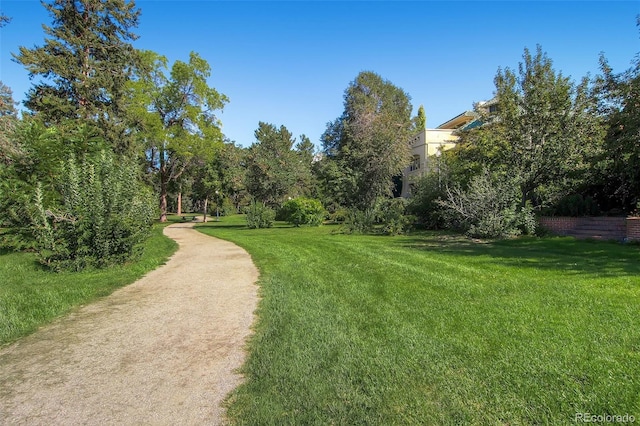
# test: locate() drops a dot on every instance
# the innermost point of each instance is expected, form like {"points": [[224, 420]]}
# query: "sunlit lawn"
{"points": [[31, 296], [437, 329]]}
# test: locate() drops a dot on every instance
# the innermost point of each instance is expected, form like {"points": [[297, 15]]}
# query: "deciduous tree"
{"points": [[620, 100], [176, 112], [369, 141], [544, 133]]}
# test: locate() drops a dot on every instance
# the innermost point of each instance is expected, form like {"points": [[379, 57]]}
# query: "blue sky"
{"points": [[288, 63]]}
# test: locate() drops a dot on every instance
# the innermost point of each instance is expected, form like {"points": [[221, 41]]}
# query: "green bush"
{"points": [[303, 211], [423, 204], [259, 215], [489, 208], [388, 217], [104, 215], [359, 221], [393, 218]]}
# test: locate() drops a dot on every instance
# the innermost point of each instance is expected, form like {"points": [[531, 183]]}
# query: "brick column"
{"points": [[633, 229]]}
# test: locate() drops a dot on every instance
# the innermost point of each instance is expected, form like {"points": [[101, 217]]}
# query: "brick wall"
{"points": [[633, 229], [559, 225], [612, 228]]}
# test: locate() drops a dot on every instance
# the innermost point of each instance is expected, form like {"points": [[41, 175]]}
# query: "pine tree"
{"points": [[84, 65]]}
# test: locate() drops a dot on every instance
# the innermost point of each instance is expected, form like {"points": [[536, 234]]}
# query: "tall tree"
{"points": [[84, 65], [307, 184], [272, 165], [551, 126], [369, 140], [620, 97], [421, 119], [543, 136], [8, 118], [176, 113]]}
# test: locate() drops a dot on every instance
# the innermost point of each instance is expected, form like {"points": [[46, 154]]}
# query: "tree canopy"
{"points": [[176, 114], [84, 65], [620, 101], [369, 140], [273, 167], [544, 133]]}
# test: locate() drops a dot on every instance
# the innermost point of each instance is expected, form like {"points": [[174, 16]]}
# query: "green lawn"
{"points": [[30, 296], [437, 329]]}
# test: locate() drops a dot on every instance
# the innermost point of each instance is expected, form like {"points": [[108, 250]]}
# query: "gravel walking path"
{"points": [[162, 351]]}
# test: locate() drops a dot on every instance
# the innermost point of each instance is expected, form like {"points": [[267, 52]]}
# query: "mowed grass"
{"points": [[437, 329], [31, 296]]}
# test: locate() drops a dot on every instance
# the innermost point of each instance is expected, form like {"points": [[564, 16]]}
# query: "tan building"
{"points": [[427, 145]]}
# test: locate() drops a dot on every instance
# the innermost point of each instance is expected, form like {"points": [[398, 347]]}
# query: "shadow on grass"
{"points": [[601, 258]]}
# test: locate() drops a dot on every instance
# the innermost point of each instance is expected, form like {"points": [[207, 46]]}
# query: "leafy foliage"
{"points": [[488, 208], [104, 215], [176, 115], [8, 120], [369, 141], [274, 169], [424, 201], [388, 216], [420, 121], [575, 205], [392, 215], [550, 125], [545, 132], [259, 215], [303, 211], [620, 101]]}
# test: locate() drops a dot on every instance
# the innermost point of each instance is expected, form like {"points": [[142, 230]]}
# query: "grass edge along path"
{"points": [[31, 296], [436, 329]]}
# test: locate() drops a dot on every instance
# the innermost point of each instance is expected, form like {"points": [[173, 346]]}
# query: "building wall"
{"points": [[425, 149]]}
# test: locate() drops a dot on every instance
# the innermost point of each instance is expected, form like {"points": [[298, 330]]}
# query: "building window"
{"points": [[415, 163], [493, 108]]}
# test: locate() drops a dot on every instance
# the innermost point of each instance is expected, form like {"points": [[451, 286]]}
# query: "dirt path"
{"points": [[161, 351]]}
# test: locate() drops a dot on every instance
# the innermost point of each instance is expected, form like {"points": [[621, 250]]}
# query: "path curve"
{"points": [[160, 351]]}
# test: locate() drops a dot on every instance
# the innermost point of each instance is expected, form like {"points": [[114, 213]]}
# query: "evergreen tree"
{"points": [[272, 165], [8, 119], [421, 119], [84, 65]]}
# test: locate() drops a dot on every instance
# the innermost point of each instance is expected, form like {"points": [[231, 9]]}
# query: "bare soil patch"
{"points": [[163, 350]]}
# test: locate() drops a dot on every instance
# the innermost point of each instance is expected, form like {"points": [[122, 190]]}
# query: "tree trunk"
{"points": [[179, 203], [163, 191], [206, 201]]}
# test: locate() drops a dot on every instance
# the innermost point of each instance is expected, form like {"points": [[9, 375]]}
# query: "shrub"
{"points": [[303, 211], [391, 214], [104, 215], [388, 217], [489, 208], [259, 215], [424, 201], [359, 221]]}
